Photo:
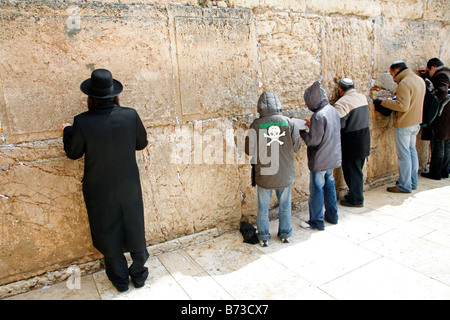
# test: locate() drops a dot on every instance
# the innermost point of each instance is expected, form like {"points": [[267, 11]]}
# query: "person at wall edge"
{"points": [[108, 136], [440, 144]]}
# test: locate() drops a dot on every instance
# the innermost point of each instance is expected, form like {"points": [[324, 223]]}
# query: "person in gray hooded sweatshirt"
{"points": [[324, 155], [271, 143]]}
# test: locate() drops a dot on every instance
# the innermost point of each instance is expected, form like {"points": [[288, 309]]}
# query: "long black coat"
{"points": [[108, 136]]}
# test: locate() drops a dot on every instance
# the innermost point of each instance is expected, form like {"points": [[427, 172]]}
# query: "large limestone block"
{"points": [[217, 61], [414, 42], [190, 179], [437, 10], [403, 9], [47, 50], [289, 49], [346, 52], [44, 223]]}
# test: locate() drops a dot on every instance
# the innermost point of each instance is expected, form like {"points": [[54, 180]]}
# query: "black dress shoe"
{"points": [[349, 204], [429, 176], [122, 289], [138, 285]]}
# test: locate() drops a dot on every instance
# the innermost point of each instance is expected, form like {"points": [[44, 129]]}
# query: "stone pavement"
{"points": [[396, 247]]}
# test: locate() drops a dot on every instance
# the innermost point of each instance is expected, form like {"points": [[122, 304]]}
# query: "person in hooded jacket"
{"points": [[108, 136], [271, 142], [324, 155]]}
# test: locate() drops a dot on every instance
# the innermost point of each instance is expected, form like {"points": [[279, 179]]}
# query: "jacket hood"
{"points": [[268, 104], [442, 69], [315, 97]]}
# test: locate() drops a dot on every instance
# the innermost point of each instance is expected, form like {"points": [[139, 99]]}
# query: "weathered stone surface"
{"points": [[43, 219], [194, 74], [414, 42], [217, 62], [289, 53], [62, 45], [190, 180], [437, 10], [365, 8], [346, 52], [403, 9]]}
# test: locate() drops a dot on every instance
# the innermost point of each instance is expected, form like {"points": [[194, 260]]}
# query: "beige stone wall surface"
{"points": [[194, 72]]}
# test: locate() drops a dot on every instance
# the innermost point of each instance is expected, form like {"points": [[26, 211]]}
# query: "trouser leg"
{"points": [[138, 271], [117, 271], [284, 213], [330, 199], [437, 159], [354, 178], [262, 219], [446, 161]]}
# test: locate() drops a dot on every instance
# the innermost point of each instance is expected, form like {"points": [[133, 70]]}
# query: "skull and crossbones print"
{"points": [[274, 135]]}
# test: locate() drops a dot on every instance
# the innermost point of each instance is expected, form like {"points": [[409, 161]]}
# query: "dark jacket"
{"points": [[108, 137], [272, 141], [355, 134], [324, 136], [441, 82]]}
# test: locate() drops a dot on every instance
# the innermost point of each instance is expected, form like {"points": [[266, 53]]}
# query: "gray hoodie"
{"points": [[324, 136], [272, 141]]}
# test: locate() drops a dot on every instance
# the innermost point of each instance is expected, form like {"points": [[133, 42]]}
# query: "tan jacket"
{"points": [[409, 103]]}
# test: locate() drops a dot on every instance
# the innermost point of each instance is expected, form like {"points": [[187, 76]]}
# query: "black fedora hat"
{"points": [[101, 85]]}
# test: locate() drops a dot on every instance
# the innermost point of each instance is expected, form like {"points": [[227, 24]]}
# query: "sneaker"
{"points": [[264, 243], [284, 240], [305, 225]]}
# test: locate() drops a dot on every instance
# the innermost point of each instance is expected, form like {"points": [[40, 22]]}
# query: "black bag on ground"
{"points": [[248, 232]]}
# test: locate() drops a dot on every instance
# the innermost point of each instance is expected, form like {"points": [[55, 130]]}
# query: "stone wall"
{"points": [[194, 73]]}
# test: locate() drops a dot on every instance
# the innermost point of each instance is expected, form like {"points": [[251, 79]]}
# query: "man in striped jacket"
{"points": [[355, 139]]}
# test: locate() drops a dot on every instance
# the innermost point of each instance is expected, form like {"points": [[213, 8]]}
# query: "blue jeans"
{"points": [[284, 213], [322, 191], [408, 161]]}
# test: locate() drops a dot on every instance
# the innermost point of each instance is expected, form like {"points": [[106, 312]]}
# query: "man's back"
{"points": [[355, 135], [324, 138], [409, 102], [273, 140]]}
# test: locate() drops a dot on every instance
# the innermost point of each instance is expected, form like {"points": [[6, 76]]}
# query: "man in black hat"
{"points": [[108, 136]]}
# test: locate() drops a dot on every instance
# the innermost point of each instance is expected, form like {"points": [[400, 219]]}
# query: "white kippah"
{"points": [[347, 81]]}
